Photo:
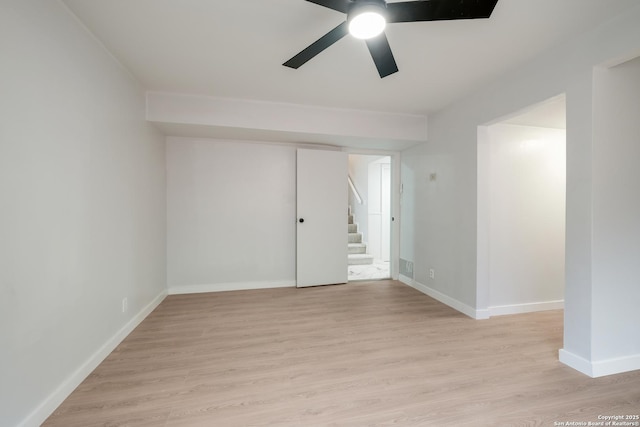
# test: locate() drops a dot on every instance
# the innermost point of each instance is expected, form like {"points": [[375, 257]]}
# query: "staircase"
{"points": [[357, 250]]}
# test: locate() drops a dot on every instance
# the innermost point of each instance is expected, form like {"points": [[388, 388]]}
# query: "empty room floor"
{"points": [[363, 354], [375, 271]]}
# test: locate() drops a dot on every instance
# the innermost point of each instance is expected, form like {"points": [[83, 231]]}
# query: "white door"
{"points": [[322, 200]]}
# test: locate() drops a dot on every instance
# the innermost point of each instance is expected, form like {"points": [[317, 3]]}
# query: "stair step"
{"points": [[360, 259], [353, 228], [357, 248], [350, 219], [355, 238]]}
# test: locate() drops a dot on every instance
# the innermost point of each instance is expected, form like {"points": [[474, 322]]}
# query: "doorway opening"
{"points": [[521, 210], [369, 217]]}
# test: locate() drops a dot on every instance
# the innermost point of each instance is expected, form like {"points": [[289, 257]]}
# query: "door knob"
{"points": [[301, 220]]}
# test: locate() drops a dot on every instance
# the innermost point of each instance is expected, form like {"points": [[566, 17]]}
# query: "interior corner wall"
{"points": [[439, 182], [527, 175], [444, 232], [82, 207], [616, 217], [231, 215]]}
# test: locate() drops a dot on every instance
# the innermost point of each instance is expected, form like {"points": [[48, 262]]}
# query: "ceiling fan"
{"points": [[366, 19]]}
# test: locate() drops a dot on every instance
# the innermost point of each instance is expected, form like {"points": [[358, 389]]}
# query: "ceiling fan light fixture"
{"points": [[366, 19], [367, 22]]}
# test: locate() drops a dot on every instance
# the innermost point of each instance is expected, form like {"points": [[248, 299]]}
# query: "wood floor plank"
{"points": [[362, 354]]}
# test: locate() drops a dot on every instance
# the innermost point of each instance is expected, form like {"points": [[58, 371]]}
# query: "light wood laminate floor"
{"points": [[362, 354]]}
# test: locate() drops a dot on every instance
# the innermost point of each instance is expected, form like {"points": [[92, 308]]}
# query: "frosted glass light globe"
{"points": [[367, 25]]}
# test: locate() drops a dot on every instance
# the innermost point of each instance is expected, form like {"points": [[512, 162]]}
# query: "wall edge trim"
{"points": [[232, 286], [576, 362], [55, 399], [615, 365], [445, 299], [500, 310], [600, 368]]}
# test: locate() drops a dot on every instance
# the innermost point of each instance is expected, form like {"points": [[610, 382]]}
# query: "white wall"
{"points": [[527, 174], [435, 202], [445, 228], [231, 215], [224, 118], [82, 207], [616, 214], [409, 167]]}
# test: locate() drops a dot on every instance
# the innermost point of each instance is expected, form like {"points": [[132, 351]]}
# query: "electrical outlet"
{"points": [[432, 273], [125, 304]]}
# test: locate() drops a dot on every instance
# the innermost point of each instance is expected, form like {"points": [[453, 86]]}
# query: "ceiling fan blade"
{"points": [[318, 46], [382, 55], [436, 10], [339, 5]]}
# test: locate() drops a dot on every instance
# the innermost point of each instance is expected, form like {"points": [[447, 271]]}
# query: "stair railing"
{"points": [[354, 190]]}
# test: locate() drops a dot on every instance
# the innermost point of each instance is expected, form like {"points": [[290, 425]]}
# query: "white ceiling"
{"points": [[235, 48], [549, 114]]}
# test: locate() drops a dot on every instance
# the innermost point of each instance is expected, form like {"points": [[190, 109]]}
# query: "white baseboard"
{"points": [[236, 286], [600, 368], [445, 299], [501, 310], [46, 408], [616, 366], [576, 362], [405, 279]]}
